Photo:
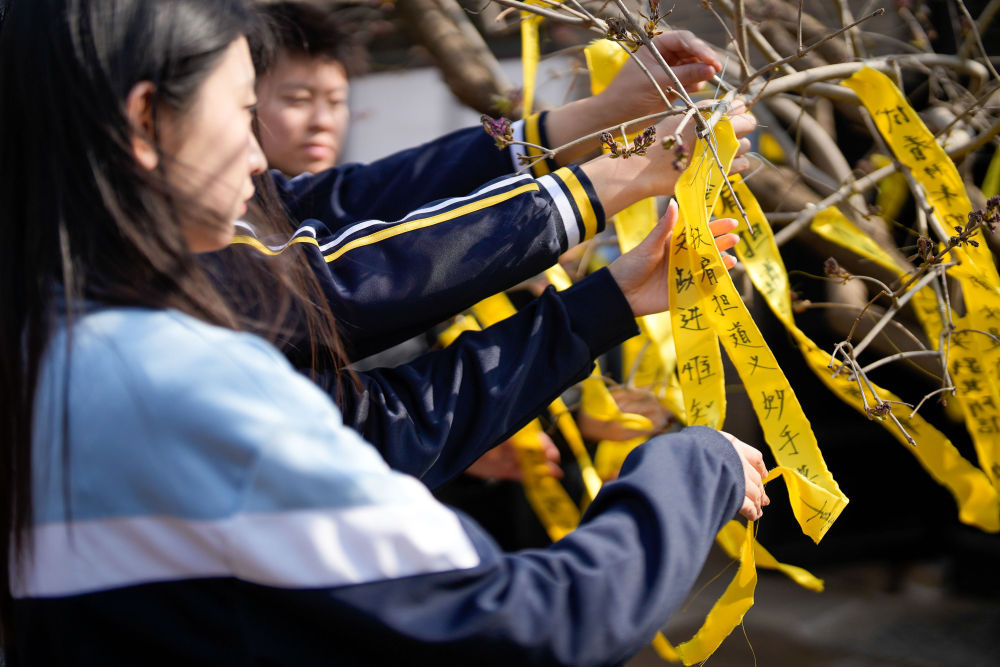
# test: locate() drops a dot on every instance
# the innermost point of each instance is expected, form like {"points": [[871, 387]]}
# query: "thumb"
{"points": [[657, 239], [665, 227]]}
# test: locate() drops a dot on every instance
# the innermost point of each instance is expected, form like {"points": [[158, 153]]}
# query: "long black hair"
{"points": [[80, 220]]}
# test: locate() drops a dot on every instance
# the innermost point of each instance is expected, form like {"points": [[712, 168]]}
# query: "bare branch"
{"points": [[555, 14], [802, 52], [901, 301], [798, 24], [848, 20], [974, 31], [929, 396], [898, 357], [758, 39], [983, 22], [740, 24], [799, 80]]}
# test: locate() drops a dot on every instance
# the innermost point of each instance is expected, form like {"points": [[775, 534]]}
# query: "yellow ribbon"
{"points": [[597, 402], [530, 54], [991, 182], [728, 611], [604, 59], [696, 342], [786, 429], [893, 190], [974, 359], [731, 539], [976, 498]]}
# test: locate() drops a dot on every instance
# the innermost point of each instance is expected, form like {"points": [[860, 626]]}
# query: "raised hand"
{"points": [[643, 273], [631, 95]]}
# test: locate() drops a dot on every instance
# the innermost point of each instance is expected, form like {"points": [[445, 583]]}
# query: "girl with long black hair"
{"points": [[172, 491]]}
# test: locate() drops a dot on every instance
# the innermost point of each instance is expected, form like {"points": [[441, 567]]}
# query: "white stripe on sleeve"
{"points": [[360, 226], [563, 205], [515, 148], [296, 549]]}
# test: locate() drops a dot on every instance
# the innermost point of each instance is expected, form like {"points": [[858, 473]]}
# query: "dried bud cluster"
{"points": [[619, 33], [925, 249], [988, 217], [879, 411], [499, 129], [642, 141], [835, 271]]}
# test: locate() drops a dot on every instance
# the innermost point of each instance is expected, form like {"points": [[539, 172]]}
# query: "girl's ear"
{"points": [[139, 109]]}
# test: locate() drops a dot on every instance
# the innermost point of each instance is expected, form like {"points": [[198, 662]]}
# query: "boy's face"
{"points": [[303, 113]]}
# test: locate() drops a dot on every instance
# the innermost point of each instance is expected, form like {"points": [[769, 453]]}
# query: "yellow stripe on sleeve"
{"points": [[263, 249], [533, 135], [423, 223], [582, 201]]}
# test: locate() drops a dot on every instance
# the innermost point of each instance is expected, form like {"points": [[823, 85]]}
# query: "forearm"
{"points": [[619, 183], [387, 281], [594, 598], [573, 123], [436, 415]]}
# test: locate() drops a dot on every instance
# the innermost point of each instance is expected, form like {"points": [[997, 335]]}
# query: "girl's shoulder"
{"points": [[161, 404], [186, 367]]}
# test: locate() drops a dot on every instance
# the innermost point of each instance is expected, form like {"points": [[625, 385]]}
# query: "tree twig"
{"points": [[802, 52], [845, 19], [740, 24], [974, 30], [895, 307], [983, 22], [543, 11]]}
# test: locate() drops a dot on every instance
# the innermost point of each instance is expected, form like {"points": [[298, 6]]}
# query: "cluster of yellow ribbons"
{"points": [[687, 344], [706, 312], [973, 358], [975, 497]]}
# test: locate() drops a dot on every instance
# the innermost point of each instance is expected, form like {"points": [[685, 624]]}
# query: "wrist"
{"points": [[573, 121], [619, 182]]}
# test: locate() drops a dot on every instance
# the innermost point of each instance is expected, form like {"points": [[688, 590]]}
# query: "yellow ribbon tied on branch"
{"points": [[976, 498], [974, 356], [786, 429]]}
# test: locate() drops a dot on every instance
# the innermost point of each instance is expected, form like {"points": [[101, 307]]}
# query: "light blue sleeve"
{"points": [[196, 451]]}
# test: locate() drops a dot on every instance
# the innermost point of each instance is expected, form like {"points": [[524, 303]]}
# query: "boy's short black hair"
{"points": [[306, 28]]}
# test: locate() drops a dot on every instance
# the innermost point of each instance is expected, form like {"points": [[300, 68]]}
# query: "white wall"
{"points": [[395, 110]]}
